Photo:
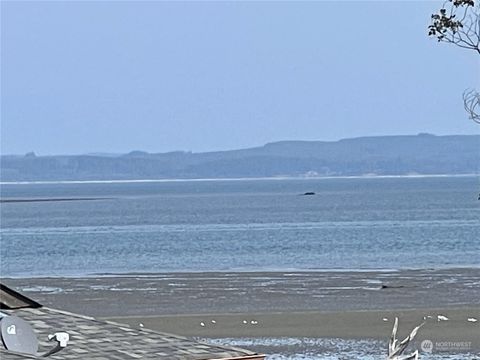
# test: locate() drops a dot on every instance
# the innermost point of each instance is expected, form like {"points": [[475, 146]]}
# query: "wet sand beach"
{"points": [[316, 324], [330, 304]]}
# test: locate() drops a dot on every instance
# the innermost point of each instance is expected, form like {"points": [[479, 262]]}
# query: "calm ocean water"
{"points": [[240, 225]]}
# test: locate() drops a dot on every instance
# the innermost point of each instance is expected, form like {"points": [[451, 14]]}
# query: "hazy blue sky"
{"points": [[107, 76]]}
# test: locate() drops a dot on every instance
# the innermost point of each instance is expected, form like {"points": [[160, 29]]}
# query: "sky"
{"points": [[105, 76]]}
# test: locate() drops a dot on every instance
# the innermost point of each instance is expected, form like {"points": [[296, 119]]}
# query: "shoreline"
{"points": [[166, 273], [279, 178]]}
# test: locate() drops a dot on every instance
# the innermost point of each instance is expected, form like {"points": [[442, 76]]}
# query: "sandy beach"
{"points": [[346, 325], [331, 304]]}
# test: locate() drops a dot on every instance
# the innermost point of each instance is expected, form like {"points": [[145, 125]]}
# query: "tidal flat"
{"points": [[289, 315]]}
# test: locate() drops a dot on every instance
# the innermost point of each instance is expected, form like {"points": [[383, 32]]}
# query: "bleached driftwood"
{"points": [[396, 348]]}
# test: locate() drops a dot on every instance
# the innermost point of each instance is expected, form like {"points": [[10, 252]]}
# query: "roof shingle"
{"points": [[95, 339]]}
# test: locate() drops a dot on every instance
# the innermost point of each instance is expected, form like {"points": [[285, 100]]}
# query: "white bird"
{"points": [[202, 324], [245, 321], [254, 322], [141, 325], [442, 318], [385, 319], [214, 322], [472, 320]]}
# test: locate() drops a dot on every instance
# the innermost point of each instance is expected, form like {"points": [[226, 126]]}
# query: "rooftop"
{"points": [[97, 339]]}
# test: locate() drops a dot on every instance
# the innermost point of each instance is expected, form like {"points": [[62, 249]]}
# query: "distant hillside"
{"points": [[383, 155]]}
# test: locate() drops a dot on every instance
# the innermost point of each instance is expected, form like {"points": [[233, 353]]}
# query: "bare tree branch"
{"points": [[471, 102], [460, 25]]}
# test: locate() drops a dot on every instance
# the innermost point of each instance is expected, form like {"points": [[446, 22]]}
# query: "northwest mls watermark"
{"points": [[430, 346]]}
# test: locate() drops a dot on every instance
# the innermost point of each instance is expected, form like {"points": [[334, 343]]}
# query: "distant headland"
{"points": [[422, 154]]}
